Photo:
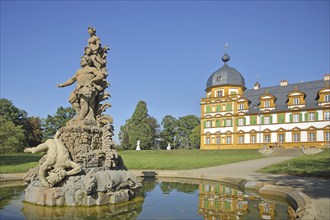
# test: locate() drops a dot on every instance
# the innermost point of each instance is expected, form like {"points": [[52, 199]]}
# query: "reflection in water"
{"points": [[176, 199], [218, 201], [119, 211]]}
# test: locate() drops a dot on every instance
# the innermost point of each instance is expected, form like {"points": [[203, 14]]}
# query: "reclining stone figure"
{"points": [[57, 164]]}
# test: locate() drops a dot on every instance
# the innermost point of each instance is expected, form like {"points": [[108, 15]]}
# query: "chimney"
{"points": [[284, 83], [326, 77], [256, 86]]}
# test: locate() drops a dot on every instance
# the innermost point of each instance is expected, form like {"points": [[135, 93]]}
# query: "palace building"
{"points": [[287, 115]]}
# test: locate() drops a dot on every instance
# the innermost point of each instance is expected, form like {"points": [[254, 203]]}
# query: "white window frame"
{"points": [[241, 139], [229, 122], [267, 120], [281, 138], [267, 138], [311, 137], [253, 139], [327, 136], [327, 98], [207, 140], [208, 124], [327, 115], [228, 139], [296, 137], [241, 106], [295, 117], [296, 101], [311, 116], [267, 104], [241, 122]]}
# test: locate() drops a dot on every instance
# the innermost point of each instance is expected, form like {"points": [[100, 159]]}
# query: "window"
{"points": [[311, 116], [267, 104], [219, 93], [217, 140], [217, 123], [208, 109], [311, 137], [228, 122], [327, 115], [327, 98], [208, 124], [240, 106], [327, 136], [267, 138], [229, 107], [253, 139], [228, 139], [241, 139], [281, 138], [266, 120], [296, 101], [217, 108], [295, 117], [208, 140], [296, 137], [240, 121]]}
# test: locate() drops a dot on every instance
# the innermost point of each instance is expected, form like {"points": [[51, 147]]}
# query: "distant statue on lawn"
{"points": [[168, 146], [138, 145]]}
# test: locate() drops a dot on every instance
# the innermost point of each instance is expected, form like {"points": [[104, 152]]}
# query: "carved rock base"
{"points": [[95, 188]]}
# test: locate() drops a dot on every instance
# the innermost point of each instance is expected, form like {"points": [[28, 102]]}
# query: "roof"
{"points": [[226, 75], [281, 93]]}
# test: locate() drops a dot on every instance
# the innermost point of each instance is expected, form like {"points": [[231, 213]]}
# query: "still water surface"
{"points": [[159, 199]]}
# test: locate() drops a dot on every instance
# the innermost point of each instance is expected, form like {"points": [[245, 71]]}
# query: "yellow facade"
{"points": [[288, 116]]}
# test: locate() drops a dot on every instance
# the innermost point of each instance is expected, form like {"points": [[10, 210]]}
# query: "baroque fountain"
{"points": [[81, 166]]}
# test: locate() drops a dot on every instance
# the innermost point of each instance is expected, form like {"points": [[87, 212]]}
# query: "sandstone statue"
{"points": [[56, 163], [82, 166]]}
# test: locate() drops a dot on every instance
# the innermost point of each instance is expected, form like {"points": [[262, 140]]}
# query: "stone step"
{"points": [[286, 153]]}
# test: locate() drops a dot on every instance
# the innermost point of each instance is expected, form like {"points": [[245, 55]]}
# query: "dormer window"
{"points": [[296, 99], [327, 98], [267, 101]]}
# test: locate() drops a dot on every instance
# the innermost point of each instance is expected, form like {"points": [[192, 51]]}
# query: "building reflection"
{"points": [[218, 201]]}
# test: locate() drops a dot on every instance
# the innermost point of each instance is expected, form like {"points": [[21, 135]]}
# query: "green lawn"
{"points": [[184, 159], [314, 165], [317, 165], [18, 163], [158, 159]]}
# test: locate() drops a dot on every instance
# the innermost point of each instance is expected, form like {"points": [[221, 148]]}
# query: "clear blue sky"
{"points": [[161, 52]]}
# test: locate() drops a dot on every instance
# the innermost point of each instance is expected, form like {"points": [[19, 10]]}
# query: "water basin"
{"points": [[163, 198]]}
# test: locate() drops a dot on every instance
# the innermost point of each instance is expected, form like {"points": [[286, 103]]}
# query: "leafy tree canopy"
{"points": [[52, 123]]}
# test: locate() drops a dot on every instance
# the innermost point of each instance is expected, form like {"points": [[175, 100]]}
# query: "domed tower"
{"points": [[224, 97], [227, 79]]}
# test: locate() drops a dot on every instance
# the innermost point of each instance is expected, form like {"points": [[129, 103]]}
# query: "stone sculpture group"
{"points": [[82, 166]]}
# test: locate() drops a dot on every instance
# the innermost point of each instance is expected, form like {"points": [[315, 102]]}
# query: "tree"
{"points": [[155, 130], [168, 133], [12, 138], [11, 113], [195, 137], [140, 128], [185, 125], [124, 137], [33, 131], [52, 123]]}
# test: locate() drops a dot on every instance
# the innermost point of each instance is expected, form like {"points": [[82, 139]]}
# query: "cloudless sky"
{"points": [[161, 52]]}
